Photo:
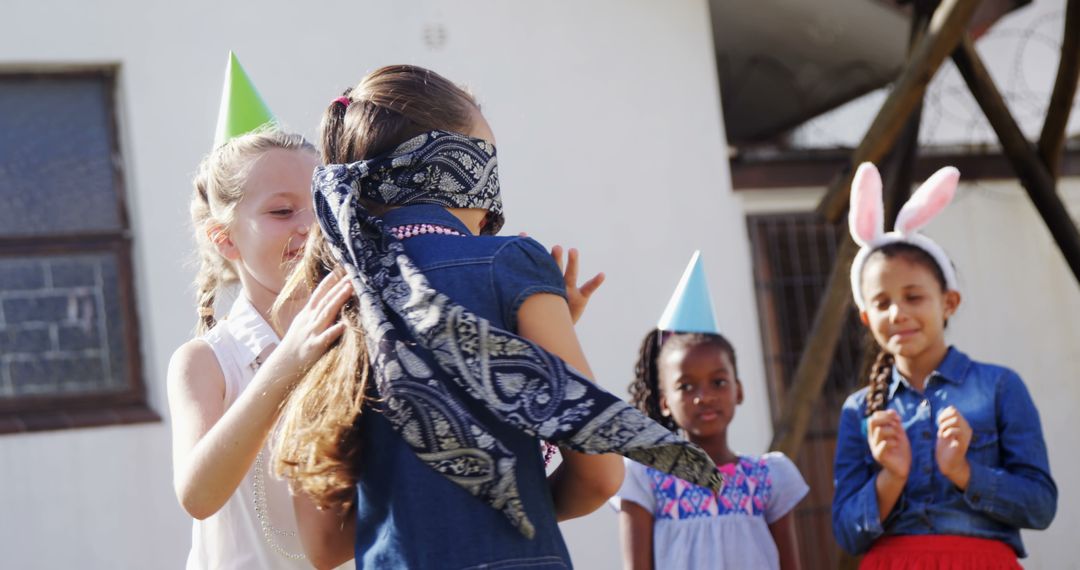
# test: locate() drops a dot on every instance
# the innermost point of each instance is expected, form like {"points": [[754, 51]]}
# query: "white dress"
{"points": [[695, 528], [256, 528]]}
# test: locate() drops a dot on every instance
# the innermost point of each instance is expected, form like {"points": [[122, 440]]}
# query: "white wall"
{"points": [[1021, 309], [608, 120]]}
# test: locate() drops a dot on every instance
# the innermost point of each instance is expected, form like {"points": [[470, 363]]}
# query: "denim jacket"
{"points": [[1010, 486], [408, 515]]}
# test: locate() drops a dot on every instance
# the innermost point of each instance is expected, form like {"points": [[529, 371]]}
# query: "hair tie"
{"points": [[343, 100]]}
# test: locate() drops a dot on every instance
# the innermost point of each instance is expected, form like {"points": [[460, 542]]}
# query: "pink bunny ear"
{"points": [[866, 218], [928, 201]]}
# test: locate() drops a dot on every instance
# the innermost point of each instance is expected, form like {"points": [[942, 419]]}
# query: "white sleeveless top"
{"points": [[256, 528]]}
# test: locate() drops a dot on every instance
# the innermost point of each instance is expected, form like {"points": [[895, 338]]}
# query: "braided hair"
{"points": [[880, 374], [881, 371], [645, 389]]}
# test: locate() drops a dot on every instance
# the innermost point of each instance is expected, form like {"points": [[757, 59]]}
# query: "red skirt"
{"points": [[939, 552]]}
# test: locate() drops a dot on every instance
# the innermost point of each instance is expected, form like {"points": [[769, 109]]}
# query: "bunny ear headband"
{"points": [[866, 219]]}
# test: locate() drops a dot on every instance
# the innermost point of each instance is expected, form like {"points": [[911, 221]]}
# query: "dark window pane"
{"points": [[61, 327], [793, 257], [56, 168], [797, 252]]}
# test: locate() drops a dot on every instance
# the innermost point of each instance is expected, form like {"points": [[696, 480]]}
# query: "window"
{"points": [[792, 257], [69, 351]]}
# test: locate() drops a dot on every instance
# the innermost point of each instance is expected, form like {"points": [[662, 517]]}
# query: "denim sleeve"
{"points": [[522, 268], [855, 520], [1020, 491]]}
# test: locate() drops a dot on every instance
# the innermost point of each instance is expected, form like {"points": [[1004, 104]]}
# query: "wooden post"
{"points": [[1030, 169], [824, 336], [947, 26], [816, 357], [1052, 139]]}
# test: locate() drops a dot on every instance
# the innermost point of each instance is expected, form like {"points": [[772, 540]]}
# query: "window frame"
{"points": [[86, 409], [777, 312]]}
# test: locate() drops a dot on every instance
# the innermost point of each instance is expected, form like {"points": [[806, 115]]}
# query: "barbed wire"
{"points": [[951, 116]]}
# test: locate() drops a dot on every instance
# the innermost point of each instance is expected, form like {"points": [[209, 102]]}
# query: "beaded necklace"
{"points": [[262, 511], [413, 230], [262, 508]]}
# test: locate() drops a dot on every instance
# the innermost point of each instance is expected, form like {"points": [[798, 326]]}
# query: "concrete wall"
{"points": [[607, 115]]}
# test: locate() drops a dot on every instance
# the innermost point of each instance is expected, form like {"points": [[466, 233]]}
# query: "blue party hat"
{"points": [[690, 308]]}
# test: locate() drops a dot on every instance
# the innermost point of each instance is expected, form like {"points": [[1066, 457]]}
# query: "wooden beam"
{"points": [[1030, 169], [899, 170], [817, 356], [1052, 139], [947, 27], [824, 336]]}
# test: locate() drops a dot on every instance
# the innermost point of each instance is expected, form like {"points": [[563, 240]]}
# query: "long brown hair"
{"points": [[317, 443], [389, 106]]}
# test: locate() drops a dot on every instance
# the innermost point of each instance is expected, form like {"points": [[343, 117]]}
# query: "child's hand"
{"points": [[953, 439], [889, 443], [576, 297], [315, 327]]}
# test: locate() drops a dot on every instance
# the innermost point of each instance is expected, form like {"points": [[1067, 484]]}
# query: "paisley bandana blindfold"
{"points": [[433, 360]]}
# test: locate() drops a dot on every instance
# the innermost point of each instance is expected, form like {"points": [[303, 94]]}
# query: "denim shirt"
{"points": [[408, 515], [1010, 486]]}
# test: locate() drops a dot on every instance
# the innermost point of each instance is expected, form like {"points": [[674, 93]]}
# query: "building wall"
{"points": [[608, 122]]}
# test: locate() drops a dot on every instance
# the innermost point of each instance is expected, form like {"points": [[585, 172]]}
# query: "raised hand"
{"points": [[889, 443], [576, 296], [953, 438], [315, 326]]}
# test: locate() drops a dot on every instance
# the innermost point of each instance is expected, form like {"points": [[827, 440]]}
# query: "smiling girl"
{"points": [[940, 461], [251, 213]]}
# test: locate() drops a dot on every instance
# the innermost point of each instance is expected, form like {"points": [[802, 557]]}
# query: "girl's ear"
{"points": [[866, 217], [952, 302], [865, 318], [738, 392], [219, 236], [928, 201], [664, 409]]}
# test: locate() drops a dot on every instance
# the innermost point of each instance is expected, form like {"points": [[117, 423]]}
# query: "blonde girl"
{"points": [[251, 212]]}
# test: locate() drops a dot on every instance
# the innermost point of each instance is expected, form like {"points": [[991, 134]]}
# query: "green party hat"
{"points": [[242, 109]]}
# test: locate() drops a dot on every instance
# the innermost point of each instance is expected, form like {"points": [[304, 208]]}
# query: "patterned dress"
{"points": [[695, 528]]}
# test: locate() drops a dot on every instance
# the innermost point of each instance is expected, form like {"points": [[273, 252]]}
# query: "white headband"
{"points": [[866, 220]]}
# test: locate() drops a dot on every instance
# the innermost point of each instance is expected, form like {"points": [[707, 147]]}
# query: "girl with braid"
{"points": [[251, 211], [686, 378], [940, 461]]}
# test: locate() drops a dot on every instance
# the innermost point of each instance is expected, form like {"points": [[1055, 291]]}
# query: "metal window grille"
{"points": [[792, 258], [69, 353]]}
